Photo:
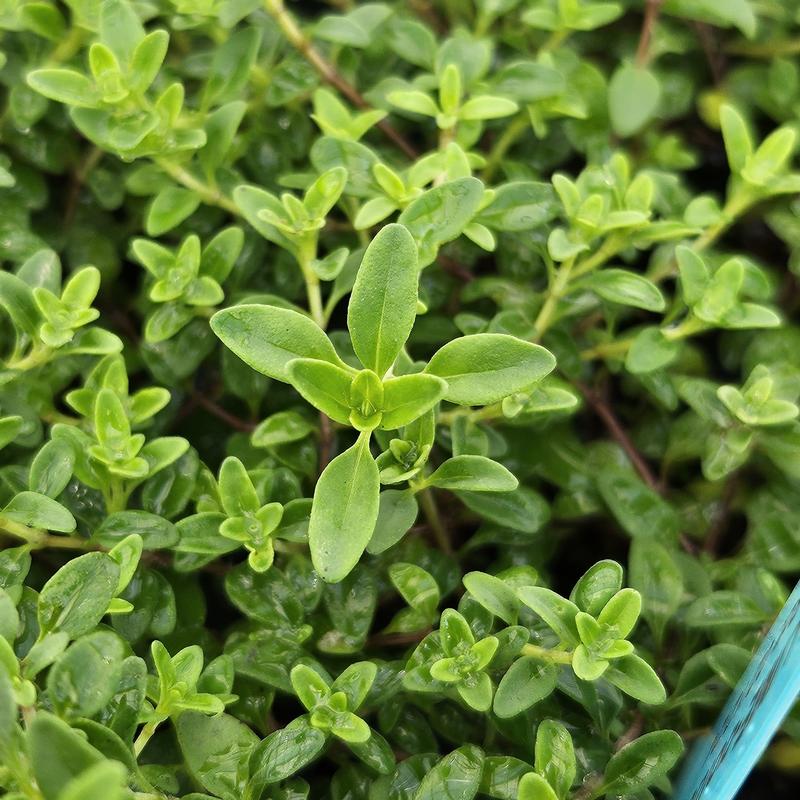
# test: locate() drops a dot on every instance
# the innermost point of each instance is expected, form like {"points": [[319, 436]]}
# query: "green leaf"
{"points": [[771, 157], [236, 491], [309, 686], [636, 678], [10, 427], [383, 304], [107, 780], [694, 274], [414, 101], [493, 594], [376, 753], [408, 397], [720, 297], [16, 298], [169, 208], [722, 609], [267, 338], [473, 473], [156, 532], [557, 612], [220, 127], [527, 682], [485, 367], [346, 502], [626, 288], [440, 215], [326, 386], [283, 753], [457, 776], [634, 94], [39, 511], [51, 469], [216, 750], [350, 728], [58, 753], [520, 206], [324, 192], [420, 590], [521, 509], [622, 611], [147, 58], [733, 13], [355, 681], [501, 776], [454, 632], [9, 619], [487, 107], [654, 573], [597, 586], [738, 143], [535, 787], [397, 512], [640, 510], [650, 351], [120, 28], [8, 702], [477, 694], [231, 65], [281, 428], [75, 599], [65, 86], [555, 756], [85, 677], [642, 763]]}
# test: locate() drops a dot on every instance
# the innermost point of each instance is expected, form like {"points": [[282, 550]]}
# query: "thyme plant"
{"points": [[398, 401]]}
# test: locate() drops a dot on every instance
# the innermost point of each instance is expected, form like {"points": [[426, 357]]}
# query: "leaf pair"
{"points": [[288, 346]]}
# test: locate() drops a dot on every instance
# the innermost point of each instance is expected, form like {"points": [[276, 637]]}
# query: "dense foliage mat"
{"points": [[350, 350]]}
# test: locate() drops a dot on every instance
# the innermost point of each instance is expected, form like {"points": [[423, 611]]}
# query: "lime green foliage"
{"points": [[338, 340]]}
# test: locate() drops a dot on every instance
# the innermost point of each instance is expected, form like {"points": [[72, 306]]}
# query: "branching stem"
{"points": [[295, 36], [544, 654]]}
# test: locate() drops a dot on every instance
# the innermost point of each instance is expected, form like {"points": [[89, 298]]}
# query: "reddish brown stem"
{"points": [[218, 411], [397, 639], [634, 729], [651, 11], [621, 437], [329, 73], [455, 269], [619, 434]]}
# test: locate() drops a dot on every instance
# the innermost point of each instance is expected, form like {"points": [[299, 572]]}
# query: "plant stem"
{"points": [[554, 656], [503, 144], [651, 11], [610, 247], [305, 257], [314, 295], [734, 208], [559, 285], [301, 43], [619, 434], [68, 46], [145, 735], [207, 194], [38, 355], [116, 497], [431, 512], [90, 161], [781, 47], [554, 40], [39, 539], [617, 348]]}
